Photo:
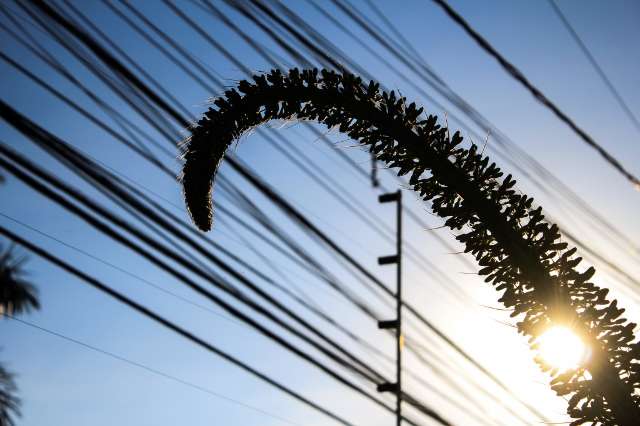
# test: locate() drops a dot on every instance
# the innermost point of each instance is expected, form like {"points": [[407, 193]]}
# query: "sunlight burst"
{"points": [[561, 348]]}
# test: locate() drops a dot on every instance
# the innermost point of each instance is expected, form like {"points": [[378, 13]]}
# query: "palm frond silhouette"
{"points": [[16, 296], [519, 253], [9, 403]]}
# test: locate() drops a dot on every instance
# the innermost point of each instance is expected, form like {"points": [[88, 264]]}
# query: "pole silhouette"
{"points": [[397, 323]]}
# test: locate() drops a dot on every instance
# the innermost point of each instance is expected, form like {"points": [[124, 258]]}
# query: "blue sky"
{"points": [[63, 383]]}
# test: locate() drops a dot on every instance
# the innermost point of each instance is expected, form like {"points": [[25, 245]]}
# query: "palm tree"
{"points": [[9, 403], [16, 296], [519, 253]]}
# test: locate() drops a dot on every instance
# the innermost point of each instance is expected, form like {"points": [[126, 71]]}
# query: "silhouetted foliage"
{"points": [[519, 253], [9, 403], [16, 295]]}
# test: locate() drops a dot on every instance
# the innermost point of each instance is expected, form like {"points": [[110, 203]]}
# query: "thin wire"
{"points": [[282, 203], [583, 47], [366, 345], [507, 150], [148, 369], [124, 271], [233, 311], [519, 76], [161, 320]]}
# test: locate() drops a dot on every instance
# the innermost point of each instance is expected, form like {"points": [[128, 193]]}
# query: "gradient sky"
{"points": [[63, 383]]}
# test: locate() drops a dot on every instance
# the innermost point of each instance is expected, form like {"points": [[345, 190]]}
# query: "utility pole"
{"points": [[397, 323]]}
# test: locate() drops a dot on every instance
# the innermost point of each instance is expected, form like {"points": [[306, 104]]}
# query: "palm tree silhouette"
{"points": [[17, 296]]}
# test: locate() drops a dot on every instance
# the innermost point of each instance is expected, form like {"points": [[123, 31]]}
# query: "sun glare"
{"points": [[561, 348]]}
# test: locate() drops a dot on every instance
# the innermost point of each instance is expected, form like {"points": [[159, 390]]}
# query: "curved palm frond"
{"points": [[519, 253]]}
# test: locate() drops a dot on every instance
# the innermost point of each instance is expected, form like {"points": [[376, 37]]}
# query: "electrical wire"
{"points": [[594, 63], [162, 321], [218, 301], [94, 49], [541, 97], [147, 368]]}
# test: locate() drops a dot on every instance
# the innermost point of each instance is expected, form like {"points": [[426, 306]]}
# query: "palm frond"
{"points": [[9, 403], [16, 294]]}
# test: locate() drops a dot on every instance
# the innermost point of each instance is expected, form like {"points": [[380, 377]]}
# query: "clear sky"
{"points": [[63, 383]]}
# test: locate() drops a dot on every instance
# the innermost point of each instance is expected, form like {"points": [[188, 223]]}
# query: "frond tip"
{"points": [[197, 188], [199, 173]]}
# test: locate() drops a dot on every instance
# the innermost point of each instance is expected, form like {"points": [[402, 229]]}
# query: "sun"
{"points": [[561, 348]]}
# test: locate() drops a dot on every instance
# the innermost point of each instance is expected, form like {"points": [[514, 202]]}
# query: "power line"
{"points": [[541, 177], [550, 181], [288, 207], [138, 83], [161, 320], [583, 47], [519, 76], [122, 270], [65, 203], [148, 369], [126, 57], [33, 133], [217, 247]]}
